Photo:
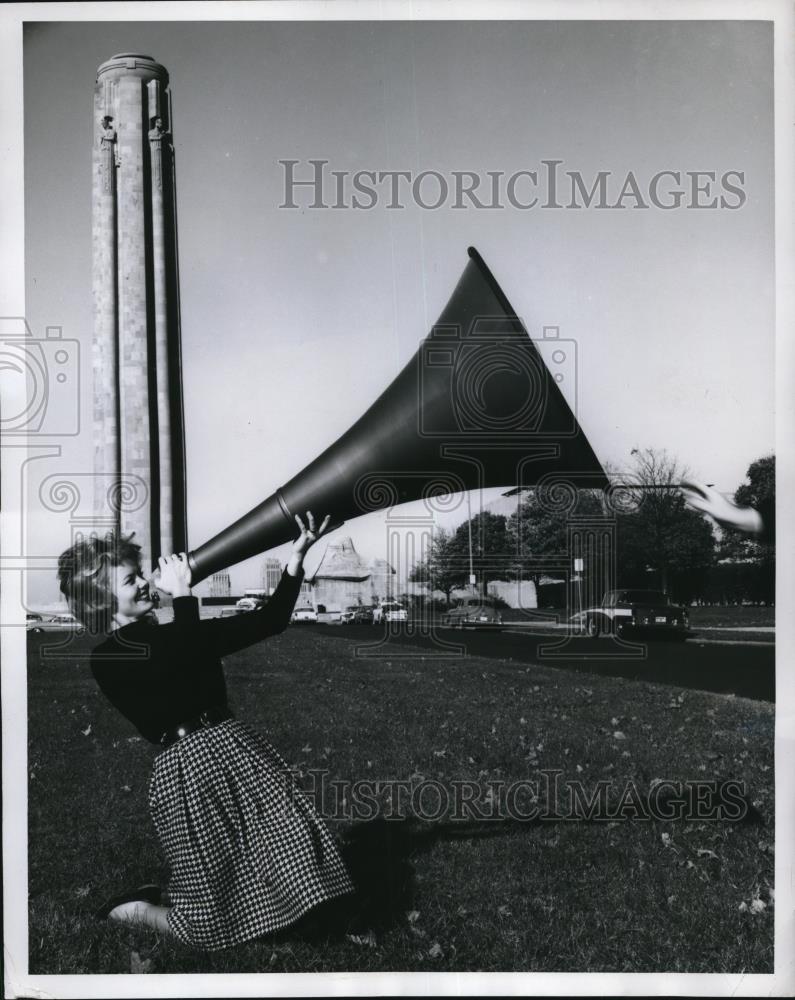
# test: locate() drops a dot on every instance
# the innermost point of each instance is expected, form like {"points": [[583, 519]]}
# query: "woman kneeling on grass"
{"points": [[248, 854]]}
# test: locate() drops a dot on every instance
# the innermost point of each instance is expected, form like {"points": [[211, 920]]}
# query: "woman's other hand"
{"points": [[309, 535], [727, 514]]}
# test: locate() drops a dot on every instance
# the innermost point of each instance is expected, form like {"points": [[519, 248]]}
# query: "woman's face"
{"points": [[133, 596]]}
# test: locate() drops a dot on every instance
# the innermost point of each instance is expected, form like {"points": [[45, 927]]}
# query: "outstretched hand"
{"points": [[309, 535], [173, 575], [727, 514]]}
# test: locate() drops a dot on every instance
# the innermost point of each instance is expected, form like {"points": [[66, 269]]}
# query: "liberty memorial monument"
{"points": [[139, 459]]}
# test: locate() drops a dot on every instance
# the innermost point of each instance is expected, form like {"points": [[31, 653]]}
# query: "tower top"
{"points": [[132, 64]]}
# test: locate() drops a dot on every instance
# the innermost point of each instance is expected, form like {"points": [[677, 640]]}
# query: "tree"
{"points": [[491, 553], [447, 564], [442, 569], [660, 533], [535, 531]]}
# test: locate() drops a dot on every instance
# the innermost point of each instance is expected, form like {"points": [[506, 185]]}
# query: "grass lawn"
{"points": [[732, 616], [632, 895]]}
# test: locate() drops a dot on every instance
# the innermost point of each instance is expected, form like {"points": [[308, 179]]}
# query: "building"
{"points": [[343, 578], [138, 425], [220, 584], [271, 574]]}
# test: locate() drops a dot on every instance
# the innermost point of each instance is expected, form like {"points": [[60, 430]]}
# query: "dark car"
{"points": [[34, 622], [359, 614], [648, 611], [473, 612]]}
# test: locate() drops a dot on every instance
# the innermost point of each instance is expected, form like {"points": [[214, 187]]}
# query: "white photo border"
{"points": [[14, 700]]}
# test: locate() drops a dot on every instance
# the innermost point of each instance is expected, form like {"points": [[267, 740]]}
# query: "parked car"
{"points": [[363, 615], [34, 622], [473, 612], [389, 611], [304, 616], [63, 622], [348, 616], [648, 611], [248, 604]]}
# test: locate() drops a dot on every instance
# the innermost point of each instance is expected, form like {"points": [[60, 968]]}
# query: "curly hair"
{"points": [[85, 577]]}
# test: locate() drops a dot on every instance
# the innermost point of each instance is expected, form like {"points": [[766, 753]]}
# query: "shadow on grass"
{"points": [[379, 855]]}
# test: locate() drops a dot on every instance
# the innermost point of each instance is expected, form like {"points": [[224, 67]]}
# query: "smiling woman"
{"points": [[100, 577], [133, 596], [248, 853]]}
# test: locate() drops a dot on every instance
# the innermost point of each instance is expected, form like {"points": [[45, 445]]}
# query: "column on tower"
{"points": [[158, 137], [105, 362]]}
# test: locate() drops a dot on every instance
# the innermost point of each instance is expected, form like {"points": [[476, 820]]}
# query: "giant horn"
{"points": [[477, 406]]}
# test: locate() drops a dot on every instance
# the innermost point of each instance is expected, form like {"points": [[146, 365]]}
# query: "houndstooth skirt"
{"points": [[247, 852]]}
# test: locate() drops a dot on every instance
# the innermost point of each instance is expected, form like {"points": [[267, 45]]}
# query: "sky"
{"points": [[294, 321]]}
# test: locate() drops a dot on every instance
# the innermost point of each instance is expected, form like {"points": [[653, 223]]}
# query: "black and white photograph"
{"points": [[393, 597]]}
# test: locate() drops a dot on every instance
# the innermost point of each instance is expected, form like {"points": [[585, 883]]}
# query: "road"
{"points": [[744, 670]]}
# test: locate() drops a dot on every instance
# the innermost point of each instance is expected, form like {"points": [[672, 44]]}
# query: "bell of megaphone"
{"points": [[477, 406]]}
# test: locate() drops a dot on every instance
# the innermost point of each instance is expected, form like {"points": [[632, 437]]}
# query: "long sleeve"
{"points": [[228, 635]]}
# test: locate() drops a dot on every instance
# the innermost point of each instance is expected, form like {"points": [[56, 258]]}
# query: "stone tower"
{"points": [[139, 459]]}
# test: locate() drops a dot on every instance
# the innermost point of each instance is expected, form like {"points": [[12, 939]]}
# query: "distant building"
{"points": [[382, 580], [343, 578], [271, 574], [220, 584], [515, 593]]}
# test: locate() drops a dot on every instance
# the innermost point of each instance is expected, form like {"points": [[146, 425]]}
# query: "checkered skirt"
{"points": [[247, 851]]}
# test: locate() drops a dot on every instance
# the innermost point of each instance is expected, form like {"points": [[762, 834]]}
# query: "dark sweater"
{"points": [[159, 676]]}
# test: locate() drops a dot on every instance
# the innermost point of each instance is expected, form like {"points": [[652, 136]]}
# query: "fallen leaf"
{"points": [[137, 966], [503, 911], [758, 905], [412, 916], [435, 951], [363, 940], [86, 732], [704, 853], [618, 735]]}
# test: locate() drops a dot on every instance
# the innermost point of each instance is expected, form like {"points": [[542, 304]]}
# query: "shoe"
{"points": [[142, 894]]}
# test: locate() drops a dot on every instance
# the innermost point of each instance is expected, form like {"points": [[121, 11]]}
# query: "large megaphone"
{"points": [[477, 406]]}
